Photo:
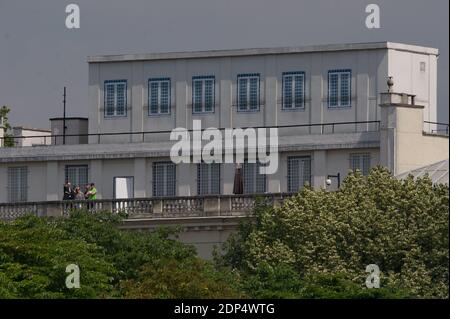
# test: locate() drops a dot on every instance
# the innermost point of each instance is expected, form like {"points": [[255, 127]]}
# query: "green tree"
{"points": [[399, 225], [7, 137], [114, 263], [33, 260], [189, 278]]}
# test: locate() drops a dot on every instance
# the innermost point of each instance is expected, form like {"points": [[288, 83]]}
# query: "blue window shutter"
{"points": [[110, 90], [198, 94], [287, 92], [120, 99], [345, 89], [209, 95], [254, 93], [333, 93], [154, 92], [165, 99], [242, 94], [299, 91]]}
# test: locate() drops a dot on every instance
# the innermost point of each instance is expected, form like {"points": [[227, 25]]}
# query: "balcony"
{"points": [[147, 208], [164, 136]]}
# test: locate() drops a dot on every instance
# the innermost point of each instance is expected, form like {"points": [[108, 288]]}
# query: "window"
{"points": [[77, 175], [248, 92], [17, 184], [164, 179], [208, 179], [123, 187], [254, 182], [115, 98], [299, 172], [203, 95], [159, 96], [360, 162], [339, 88], [293, 90]]}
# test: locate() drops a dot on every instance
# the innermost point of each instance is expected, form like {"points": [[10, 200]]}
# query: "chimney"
{"points": [[403, 144]]}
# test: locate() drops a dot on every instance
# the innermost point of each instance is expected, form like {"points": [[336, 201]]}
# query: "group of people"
{"points": [[75, 193]]}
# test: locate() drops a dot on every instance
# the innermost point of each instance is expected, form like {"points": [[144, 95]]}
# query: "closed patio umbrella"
{"points": [[238, 186]]}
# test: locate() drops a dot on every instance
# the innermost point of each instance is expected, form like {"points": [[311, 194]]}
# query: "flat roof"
{"points": [[263, 51], [32, 129]]}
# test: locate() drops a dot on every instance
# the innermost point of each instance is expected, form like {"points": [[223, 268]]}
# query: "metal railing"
{"points": [[147, 208], [436, 128], [315, 128]]}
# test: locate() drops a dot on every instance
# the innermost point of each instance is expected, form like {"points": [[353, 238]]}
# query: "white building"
{"points": [[26, 136], [329, 95]]}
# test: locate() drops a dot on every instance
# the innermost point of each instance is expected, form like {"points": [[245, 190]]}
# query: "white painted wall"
{"points": [[46, 179]]}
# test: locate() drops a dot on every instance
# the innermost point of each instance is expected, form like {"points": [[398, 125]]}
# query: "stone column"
{"points": [[140, 178], [96, 176], [319, 169], [54, 186]]}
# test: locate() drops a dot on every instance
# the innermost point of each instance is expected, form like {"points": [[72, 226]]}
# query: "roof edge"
{"points": [[261, 51]]}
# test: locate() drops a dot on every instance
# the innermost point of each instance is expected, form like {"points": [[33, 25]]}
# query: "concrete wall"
{"points": [[74, 126], [416, 74], [369, 73], [46, 179], [31, 137], [404, 145]]}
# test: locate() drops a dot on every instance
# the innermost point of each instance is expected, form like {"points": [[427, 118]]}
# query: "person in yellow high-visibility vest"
{"points": [[92, 193]]}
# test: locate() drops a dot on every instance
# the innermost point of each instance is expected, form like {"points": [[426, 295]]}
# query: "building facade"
{"points": [[326, 101]]}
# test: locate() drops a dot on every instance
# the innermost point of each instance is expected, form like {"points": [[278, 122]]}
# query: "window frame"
{"points": [[165, 179], [339, 104], [289, 176], [361, 157], [210, 180], [115, 115], [248, 76], [255, 175], [159, 80], [203, 79], [22, 190], [78, 166], [283, 93]]}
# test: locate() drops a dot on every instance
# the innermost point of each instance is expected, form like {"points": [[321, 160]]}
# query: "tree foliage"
{"points": [[316, 244], [33, 260], [399, 225], [114, 263], [8, 140]]}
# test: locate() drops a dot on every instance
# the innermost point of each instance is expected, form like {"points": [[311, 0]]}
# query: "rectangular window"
{"points": [[77, 175], [203, 94], [299, 172], [164, 179], [159, 96], [293, 90], [17, 184], [360, 162], [115, 98], [123, 187], [254, 182], [208, 179], [339, 88], [248, 92]]}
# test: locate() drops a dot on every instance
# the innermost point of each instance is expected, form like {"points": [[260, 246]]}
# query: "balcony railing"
{"points": [[147, 208], [436, 128], [146, 136]]}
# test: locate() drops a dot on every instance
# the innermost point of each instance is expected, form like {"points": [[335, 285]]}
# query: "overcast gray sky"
{"points": [[38, 55]]}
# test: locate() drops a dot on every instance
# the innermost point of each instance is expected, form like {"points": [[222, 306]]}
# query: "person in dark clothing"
{"points": [[68, 191]]}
